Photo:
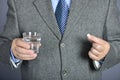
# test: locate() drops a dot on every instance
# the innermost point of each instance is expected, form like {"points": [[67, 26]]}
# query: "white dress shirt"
{"points": [[55, 2]]}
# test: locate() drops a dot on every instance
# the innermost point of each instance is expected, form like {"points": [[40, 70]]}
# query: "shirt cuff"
{"points": [[14, 60], [15, 65], [97, 65]]}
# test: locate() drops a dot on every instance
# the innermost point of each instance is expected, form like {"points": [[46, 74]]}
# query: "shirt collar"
{"points": [[55, 2]]}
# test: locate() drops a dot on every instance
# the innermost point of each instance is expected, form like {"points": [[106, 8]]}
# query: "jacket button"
{"points": [[64, 72], [62, 44]]}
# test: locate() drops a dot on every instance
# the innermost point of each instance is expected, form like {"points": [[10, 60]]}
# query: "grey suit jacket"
{"points": [[62, 58]]}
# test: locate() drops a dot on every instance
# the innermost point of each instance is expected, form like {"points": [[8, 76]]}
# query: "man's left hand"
{"points": [[99, 49]]}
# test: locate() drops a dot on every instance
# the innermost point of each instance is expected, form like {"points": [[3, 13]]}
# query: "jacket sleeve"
{"points": [[112, 34], [10, 32]]}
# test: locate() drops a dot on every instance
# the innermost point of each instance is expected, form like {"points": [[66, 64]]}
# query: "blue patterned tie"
{"points": [[61, 14]]}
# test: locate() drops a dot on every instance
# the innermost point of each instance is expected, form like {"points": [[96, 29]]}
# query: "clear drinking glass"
{"points": [[34, 39]]}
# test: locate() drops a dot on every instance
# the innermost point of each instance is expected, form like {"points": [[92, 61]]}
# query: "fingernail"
{"points": [[88, 35]]}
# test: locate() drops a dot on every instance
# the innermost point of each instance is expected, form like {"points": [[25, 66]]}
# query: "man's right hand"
{"points": [[21, 50]]}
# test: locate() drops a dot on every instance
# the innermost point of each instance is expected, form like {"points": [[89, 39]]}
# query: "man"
{"points": [[73, 36]]}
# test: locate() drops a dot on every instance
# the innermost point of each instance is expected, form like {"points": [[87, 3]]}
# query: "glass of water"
{"points": [[34, 39]]}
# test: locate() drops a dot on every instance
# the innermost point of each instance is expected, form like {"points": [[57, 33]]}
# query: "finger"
{"points": [[23, 51], [95, 39], [94, 52], [98, 47], [26, 56], [92, 56], [21, 43]]}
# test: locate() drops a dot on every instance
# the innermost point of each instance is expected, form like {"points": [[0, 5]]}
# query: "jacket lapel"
{"points": [[76, 9], [45, 10]]}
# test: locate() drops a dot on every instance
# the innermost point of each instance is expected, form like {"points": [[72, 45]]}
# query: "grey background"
{"points": [[6, 73]]}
